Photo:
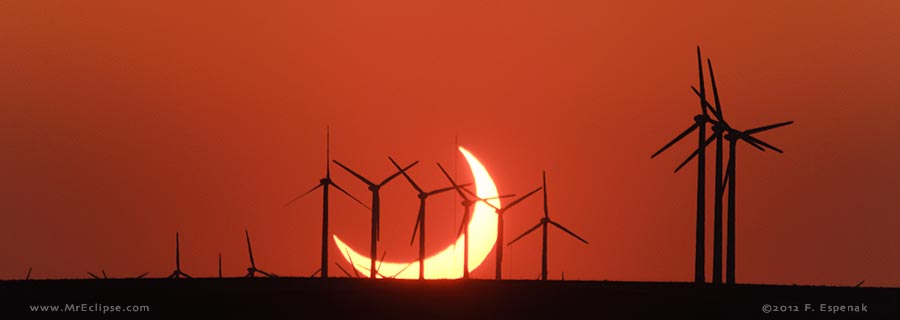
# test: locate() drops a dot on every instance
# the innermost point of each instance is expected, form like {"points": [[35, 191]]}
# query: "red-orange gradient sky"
{"points": [[122, 122]]}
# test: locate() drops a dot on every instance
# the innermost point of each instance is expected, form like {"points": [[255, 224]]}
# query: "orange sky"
{"points": [[123, 122]]}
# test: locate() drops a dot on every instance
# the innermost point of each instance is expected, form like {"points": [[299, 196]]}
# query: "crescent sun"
{"points": [[446, 264]]}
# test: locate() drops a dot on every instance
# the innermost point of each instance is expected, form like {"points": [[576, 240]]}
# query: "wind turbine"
{"points": [[700, 121], [420, 219], [376, 208], [177, 273], [324, 183], [220, 265], [545, 222], [733, 135], [252, 270], [719, 127], [467, 204], [500, 211]]}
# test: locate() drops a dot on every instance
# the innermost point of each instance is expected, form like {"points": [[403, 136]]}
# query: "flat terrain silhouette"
{"points": [[305, 298]]}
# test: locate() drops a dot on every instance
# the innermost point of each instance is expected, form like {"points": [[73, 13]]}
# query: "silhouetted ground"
{"points": [[303, 298]]}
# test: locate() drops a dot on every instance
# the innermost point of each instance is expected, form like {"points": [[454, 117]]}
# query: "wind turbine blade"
{"points": [[316, 273], [401, 270], [402, 171], [378, 268], [727, 175], [328, 152], [457, 187], [768, 127], [510, 195], [476, 196], [751, 141], [679, 137], [142, 275], [706, 105], [410, 180], [526, 232], [93, 275], [343, 270], [350, 195], [301, 196], [250, 249], [568, 231], [177, 252], [754, 140], [357, 175], [465, 222], [696, 152], [442, 190], [712, 77], [104, 273], [544, 184], [352, 265], [702, 84], [489, 198], [270, 275], [416, 226], [522, 198]]}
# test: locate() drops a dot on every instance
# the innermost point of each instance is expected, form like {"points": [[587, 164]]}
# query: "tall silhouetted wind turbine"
{"points": [[700, 121], [252, 270], [499, 243], [420, 218], [733, 135], [324, 183], [177, 273], [545, 221], [376, 208], [467, 204]]}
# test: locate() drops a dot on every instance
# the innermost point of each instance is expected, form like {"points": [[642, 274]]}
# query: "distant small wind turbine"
{"points": [[252, 270], [177, 273], [500, 212], [545, 221]]}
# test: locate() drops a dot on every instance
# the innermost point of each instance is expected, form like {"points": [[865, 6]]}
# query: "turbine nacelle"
{"points": [[732, 136], [720, 127]]}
